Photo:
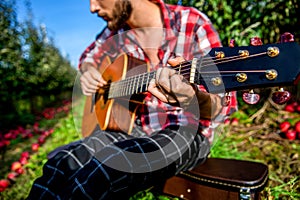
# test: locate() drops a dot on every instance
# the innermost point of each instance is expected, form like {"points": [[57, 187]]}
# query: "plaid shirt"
{"points": [[188, 33]]}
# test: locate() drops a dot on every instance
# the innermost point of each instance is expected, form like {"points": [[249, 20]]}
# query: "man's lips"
{"points": [[104, 17]]}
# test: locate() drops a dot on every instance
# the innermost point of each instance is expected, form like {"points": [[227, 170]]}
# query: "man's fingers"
{"points": [[91, 81], [175, 61], [86, 91], [163, 77], [97, 76], [152, 88], [177, 84]]}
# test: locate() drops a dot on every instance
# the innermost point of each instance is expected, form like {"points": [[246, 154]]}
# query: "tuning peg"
{"points": [[281, 96], [232, 43], [255, 41], [287, 37], [226, 99], [251, 97]]}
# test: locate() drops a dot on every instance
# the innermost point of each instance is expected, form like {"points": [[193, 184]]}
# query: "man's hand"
{"points": [[91, 79], [170, 87]]}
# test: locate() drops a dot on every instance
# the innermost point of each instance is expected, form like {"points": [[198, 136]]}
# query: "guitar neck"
{"points": [[131, 85], [227, 69]]}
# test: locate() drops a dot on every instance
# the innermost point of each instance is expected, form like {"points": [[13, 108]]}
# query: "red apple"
{"points": [[30, 135], [51, 130], [2, 144], [35, 147], [25, 154], [7, 142], [289, 108], [284, 126], [291, 134], [41, 139], [36, 127], [15, 166], [297, 127], [4, 183], [23, 160], [20, 170], [298, 108], [45, 133], [12, 176], [8, 136], [234, 121], [227, 121]]}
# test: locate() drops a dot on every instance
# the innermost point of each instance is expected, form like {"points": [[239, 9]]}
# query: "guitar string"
{"points": [[115, 87], [119, 84], [219, 60]]}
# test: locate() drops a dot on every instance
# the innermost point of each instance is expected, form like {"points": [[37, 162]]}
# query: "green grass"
{"points": [[258, 142]]}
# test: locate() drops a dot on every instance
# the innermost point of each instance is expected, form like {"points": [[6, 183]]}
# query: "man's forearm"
{"points": [[210, 105]]}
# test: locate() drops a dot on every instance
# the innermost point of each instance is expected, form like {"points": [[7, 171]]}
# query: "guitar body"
{"points": [[116, 114], [89, 118]]}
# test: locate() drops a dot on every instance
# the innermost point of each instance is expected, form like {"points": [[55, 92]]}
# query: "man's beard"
{"points": [[121, 14]]}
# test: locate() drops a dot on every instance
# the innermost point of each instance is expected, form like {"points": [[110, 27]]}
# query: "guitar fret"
{"points": [[118, 90], [137, 84], [131, 82], [126, 88], [147, 82], [133, 86], [123, 88], [142, 85]]}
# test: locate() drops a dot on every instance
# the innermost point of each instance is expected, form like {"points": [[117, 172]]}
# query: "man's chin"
{"points": [[110, 26], [114, 26]]}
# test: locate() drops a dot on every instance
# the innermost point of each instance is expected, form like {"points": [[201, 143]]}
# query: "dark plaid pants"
{"points": [[111, 165]]}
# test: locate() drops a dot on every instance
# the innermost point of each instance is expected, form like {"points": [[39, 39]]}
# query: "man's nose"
{"points": [[94, 6]]}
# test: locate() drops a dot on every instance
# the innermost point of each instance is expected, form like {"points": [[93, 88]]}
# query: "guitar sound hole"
{"points": [[103, 96]]}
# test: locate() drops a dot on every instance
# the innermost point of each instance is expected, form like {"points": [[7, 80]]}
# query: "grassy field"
{"points": [[254, 138]]}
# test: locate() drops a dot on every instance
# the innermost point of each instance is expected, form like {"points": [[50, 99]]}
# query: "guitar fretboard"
{"points": [[131, 85]]}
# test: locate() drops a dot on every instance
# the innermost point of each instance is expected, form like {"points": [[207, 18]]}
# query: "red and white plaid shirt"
{"points": [[187, 33]]}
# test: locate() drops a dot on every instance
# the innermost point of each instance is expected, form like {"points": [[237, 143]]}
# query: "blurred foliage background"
{"points": [[243, 19], [34, 73]]}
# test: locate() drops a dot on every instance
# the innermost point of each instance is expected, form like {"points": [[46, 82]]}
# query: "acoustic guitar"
{"points": [[224, 69]]}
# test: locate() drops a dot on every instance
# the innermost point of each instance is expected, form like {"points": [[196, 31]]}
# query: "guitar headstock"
{"points": [[231, 68]]}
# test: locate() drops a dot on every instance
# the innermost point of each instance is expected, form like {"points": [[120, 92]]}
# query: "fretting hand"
{"points": [[170, 87]]}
